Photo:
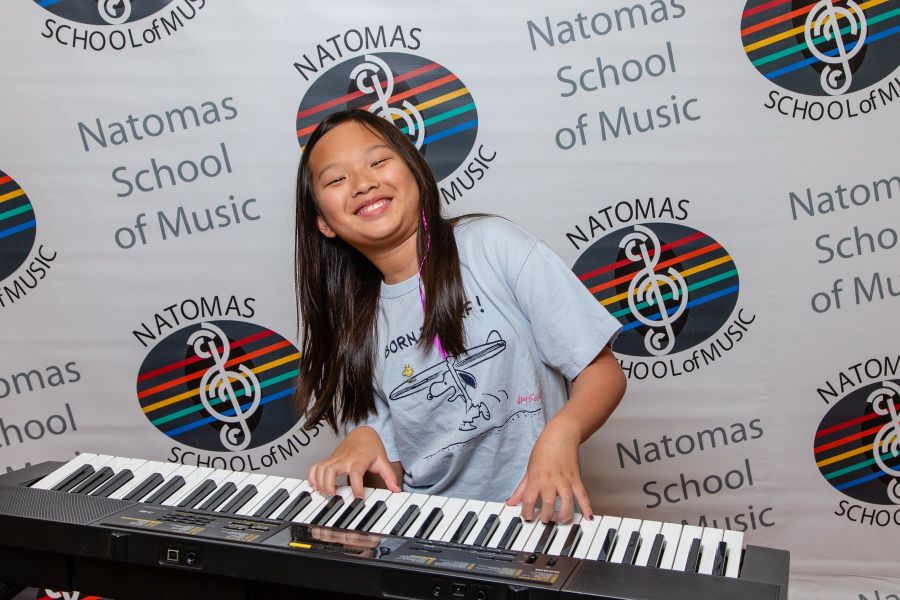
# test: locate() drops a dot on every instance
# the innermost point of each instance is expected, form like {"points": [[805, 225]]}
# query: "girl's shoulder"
{"points": [[488, 231]]}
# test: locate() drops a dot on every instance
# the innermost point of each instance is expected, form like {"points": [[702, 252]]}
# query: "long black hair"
{"points": [[338, 289]]}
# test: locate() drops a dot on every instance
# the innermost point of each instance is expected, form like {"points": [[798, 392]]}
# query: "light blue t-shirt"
{"points": [[465, 426]]}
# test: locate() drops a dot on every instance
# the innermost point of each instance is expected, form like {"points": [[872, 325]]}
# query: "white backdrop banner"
{"points": [[739, 154]]}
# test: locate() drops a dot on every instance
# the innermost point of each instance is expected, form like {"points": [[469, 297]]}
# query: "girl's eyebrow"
{"points": [[366, 151]]}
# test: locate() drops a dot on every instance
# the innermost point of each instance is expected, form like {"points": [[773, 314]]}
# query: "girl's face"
{"points": [[366, 193]]}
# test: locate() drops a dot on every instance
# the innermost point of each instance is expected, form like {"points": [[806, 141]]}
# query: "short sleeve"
{"points": [[381, 422], [569, 325]]}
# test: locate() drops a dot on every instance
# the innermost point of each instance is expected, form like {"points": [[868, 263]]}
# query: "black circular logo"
{"points": [[17, 226]]}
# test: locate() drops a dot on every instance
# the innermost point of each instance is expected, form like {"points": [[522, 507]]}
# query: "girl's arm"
{"points": [[553, 466], [361, 452]]}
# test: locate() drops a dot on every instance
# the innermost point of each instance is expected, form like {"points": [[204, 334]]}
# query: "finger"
{"points": [[583, 501], [548, 504], [529, 499], [566, 506], [313, 476], [356, 484], [383, 469], [327, 479], [516, 496]]}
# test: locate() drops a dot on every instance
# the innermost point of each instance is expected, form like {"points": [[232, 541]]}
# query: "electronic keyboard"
{"points": [[132, 528]]}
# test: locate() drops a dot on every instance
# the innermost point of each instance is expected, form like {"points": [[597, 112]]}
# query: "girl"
{"points": [[447, 343]]}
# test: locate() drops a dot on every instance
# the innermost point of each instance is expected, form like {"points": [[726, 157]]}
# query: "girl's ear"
{"points": [[326, 230]]}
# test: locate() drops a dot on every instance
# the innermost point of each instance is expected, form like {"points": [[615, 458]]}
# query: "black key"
{"points": [[368, 521], [656, 550], [631, 549], [221, 495], [272, 503], [546, 538], [571, 541], [293, 509], [490, 526], [409, 515], [200, 492], [511, 533], [462, 532], [240, 500], [719, 560], [350, 513], [608, 544], [121, 478], [166, 491], [74, 479], [329, 510], [430, 523], [693, 558], [94, 481], [144, 487]]}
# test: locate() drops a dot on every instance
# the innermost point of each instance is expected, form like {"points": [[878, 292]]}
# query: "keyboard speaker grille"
{"points": [[61, 507]]}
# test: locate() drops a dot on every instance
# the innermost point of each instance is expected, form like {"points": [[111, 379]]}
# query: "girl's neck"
{"points": [[399, 263]]}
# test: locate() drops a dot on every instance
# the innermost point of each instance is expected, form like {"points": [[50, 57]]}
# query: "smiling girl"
{"points": [[442, 346]]}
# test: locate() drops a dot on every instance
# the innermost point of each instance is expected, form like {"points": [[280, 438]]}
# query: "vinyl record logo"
{"points": [[17, 226], [671, 287], [103, 12], [220, 386], [857, 444], [426, 101], [822, 47]]}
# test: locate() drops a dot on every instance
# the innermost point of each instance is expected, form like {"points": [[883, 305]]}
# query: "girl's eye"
{"points": [[379, 161], [335, 180]]}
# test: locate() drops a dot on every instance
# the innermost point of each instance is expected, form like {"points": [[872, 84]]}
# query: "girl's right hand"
{"points": [[360, 452]]}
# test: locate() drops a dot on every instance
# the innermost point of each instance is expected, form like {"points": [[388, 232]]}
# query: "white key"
{"points": [[528, 528], [535, 537], [85, 458], [735, 541], [606, 524], [589, 530], [562, 532], [672, 533], [264, 490], [345, 492], [689, 533], [317, 501], [649, 531], [130, 464], [192, 476], [424, 510], [396, 504], [141, 474], [626, 528], [489, 508], [470, 506], [371, 499], [294, 487], [451, 509], [506, 515], [709, 542]]}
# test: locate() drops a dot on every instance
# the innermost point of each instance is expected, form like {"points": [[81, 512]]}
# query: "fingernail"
{"points": [[590, 517]]}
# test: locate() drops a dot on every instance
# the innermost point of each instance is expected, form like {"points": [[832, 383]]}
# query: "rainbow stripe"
{"points": [[170, 395], [844, 452], [706, 267], [769, 34], [16, 211], [441, 98]]}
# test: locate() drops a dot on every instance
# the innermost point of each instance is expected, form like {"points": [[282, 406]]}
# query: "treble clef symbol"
{"points": [[887, 440], [822, 20], [111, 15], [646, 286], [217, 387], [368, 82]]}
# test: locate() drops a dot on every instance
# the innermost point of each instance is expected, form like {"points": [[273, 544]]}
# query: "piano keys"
{"points": [[453, 522]]}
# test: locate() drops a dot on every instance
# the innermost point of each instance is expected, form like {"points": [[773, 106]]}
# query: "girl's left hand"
{"points": [[553, 473]]}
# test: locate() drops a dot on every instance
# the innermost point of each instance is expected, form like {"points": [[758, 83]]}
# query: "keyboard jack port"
{"points": [[480, 595], [173, 555], [459, 590], [190, 557], [436, 591]]}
